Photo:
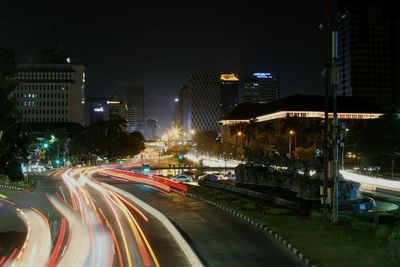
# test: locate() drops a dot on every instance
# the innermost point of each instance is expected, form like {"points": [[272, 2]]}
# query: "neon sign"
{"points": [[100, 109], [263, 75]]}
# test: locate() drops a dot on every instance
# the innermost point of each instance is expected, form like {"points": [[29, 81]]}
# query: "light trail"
{"points": [[37, 246], [60, 239], [363, 179], [79, 244], [186, 249]]}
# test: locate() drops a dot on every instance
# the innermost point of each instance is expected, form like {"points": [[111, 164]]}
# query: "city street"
{"points": [[82, 221]]}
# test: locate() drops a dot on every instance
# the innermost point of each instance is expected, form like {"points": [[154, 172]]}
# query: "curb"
{"points": [[12, 187], [269, 230]]}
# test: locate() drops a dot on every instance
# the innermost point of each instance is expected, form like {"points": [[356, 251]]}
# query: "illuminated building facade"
{"points": [[102, 108], [204, 87], [260, 87], [369, 51], [135, 99], [309, 111], [51, 93], [229, 93], [131, 118]]}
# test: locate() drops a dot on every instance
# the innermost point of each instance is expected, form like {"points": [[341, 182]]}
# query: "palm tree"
{"points": [[314, 129], [292, 123], [264, 131]]}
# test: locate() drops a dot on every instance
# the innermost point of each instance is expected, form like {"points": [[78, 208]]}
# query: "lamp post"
{"points": [[291, 132], [159, 158], [240, 136]]}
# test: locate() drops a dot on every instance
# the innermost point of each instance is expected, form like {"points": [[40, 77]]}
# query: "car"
{"points": [[230, 176], [209, 177], [181, 178]]}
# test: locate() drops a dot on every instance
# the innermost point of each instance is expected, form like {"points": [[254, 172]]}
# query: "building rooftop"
{"points": [[246, 111]]}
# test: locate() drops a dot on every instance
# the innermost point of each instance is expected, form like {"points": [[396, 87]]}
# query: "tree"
{"points": [[380, 149], [15, 139], [106, 139], [205, 141], [263, 132]]}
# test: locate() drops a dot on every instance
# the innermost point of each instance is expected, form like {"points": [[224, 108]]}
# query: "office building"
{"points": [[50, 93], [182, 114], [309, 109], [131, 118], [204, 88], [103, 108], [135, 99], [229, 93], [369, 51], [260, 87]]}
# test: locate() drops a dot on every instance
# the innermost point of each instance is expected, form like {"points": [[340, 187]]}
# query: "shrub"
{"points": [[364, 226], [249, 206], [277, 211], [346, 219], [316, 216], [382, 232], [395, 233], [222, 197]]}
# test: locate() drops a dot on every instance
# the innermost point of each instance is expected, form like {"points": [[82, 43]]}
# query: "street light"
{"points": [[240, 135], [291, 132]]}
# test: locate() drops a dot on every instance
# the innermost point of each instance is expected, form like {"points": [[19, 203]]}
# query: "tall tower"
{"points": [[260, 87], [369, 51], [229, 97], [135, 102], [204, 87]]}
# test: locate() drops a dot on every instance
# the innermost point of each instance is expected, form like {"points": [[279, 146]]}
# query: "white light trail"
{"points": [[37, 246], [186, 249], [363, 179]]}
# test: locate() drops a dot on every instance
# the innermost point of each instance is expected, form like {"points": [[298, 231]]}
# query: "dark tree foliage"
{"points": [[379, 143], [15, 139], [106, 139]]}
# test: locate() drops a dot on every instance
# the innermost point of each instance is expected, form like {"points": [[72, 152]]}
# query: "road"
{"points": [[219, 238], [81, 218]]}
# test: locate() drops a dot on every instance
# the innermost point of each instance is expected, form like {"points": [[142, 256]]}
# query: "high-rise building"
{"points": [[51, 93], [369, 51], [135, 99], [260, 87], [229, 93], [204, 88], [131, 118], [183, 115], [103, 108]]}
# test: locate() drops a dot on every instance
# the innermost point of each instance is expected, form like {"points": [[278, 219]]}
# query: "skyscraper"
{"points": [[204, 88], [369, 51], [229, 93], [103, 108], [51, 92], [260, 87], [135, 100], [183, 109]]}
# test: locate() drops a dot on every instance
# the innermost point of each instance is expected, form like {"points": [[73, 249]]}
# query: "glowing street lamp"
{"points": [[291, 132]]}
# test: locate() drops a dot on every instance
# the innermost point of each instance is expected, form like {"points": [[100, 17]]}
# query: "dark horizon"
{"points": [[122, 43]]}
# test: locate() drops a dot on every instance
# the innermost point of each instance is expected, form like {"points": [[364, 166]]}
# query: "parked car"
{"points": [[230, 176], [209, 177], [182, 178]]}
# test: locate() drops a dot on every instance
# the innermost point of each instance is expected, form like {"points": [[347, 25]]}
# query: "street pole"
{"points": [[225, 162], [326, 27], [342, 144], [335, 131], [392, 169], [159, 161], [290, 146]]}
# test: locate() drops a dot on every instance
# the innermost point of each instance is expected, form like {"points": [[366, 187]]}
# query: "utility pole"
{"points": [[326, 27], [335, 131]]}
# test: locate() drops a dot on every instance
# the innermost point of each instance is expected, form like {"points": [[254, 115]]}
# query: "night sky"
{"points": [[159, 44]]}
